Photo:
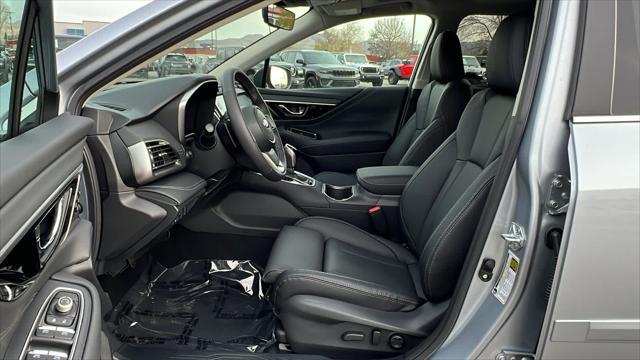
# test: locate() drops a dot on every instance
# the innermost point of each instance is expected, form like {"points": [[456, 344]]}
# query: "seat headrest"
{"points": [[508, 53], [446, 58]]}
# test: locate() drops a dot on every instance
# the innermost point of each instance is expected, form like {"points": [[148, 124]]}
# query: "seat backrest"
{"points": [[442, 203], [439, 106]]}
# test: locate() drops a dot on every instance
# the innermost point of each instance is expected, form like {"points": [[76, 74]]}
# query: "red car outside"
{"points": [[402, 71]]}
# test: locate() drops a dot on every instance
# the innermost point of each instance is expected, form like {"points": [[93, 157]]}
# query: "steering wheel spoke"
{"points": [[274, 160]]}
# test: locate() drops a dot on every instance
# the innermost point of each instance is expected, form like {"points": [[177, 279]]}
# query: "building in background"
{"points": [[68, 33]]}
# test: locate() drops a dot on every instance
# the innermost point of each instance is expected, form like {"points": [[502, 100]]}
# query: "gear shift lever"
{"points": [[290, 154]]}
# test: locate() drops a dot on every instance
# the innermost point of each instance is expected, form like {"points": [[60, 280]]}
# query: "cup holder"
{"points": [[338, 193]]}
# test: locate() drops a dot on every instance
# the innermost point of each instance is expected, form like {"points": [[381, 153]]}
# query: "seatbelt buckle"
{"points": [[378, 220]]}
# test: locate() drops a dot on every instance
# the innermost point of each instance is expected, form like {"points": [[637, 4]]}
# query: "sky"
{"points": [[111, 10], [96, 10]]}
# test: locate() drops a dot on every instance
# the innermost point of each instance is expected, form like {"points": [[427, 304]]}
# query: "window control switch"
{"points": [[46, 331]]}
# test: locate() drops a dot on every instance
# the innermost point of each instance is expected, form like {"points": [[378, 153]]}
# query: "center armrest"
{"points": [[385, 180]]}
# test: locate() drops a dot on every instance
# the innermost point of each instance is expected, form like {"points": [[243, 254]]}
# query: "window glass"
{"points": [[475, 33], [74, 20], [30, 93], [370, 52], [11, 12]]}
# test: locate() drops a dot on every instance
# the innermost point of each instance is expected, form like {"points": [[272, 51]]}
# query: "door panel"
{"points": [[38, 169], [44, 234], [339, 129]]}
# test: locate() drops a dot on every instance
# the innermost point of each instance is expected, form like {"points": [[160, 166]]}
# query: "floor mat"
{"points": [[207, 305]]}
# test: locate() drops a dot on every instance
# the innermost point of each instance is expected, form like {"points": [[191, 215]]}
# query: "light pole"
{"points": [[413, 34]]}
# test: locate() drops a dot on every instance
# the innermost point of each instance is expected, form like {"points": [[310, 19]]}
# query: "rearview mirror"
{"points": [[278, 17]]}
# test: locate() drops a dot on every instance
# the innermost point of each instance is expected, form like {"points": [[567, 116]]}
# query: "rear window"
{"points": [[470, 61], [356, 59], [319, 57], [176, 58]]}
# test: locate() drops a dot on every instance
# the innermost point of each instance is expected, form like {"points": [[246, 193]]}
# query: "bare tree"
{"points": [[346, 38], [389, 39], [479, 27], [5, 18]]}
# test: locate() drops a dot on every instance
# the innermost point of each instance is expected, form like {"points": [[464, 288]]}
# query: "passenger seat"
{"points": [[437, 112]]}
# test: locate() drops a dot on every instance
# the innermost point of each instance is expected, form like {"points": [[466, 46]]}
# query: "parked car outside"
{"points": [[387, 65], [175, 64], [322, 69], [369, 72], [472, 66], [402, 71]]}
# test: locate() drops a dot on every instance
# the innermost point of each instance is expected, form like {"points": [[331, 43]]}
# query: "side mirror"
{"points": [[278, 77], [300, 61], [278, 17]]}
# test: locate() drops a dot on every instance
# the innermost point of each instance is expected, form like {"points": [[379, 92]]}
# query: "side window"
{"points": [[12, 13], [475, 33], [298, 58], [29, 115], [369, 52]]}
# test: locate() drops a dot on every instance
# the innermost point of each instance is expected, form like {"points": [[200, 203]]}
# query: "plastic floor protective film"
{"points": [[207, 305]]}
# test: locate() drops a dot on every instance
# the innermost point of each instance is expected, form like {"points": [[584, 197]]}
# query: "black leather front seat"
{"points": [[336, 287], [437, 112]]}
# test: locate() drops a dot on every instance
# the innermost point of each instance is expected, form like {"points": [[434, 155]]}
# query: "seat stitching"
{"points": [[450, 228], [398, 264], [397, 299], [440, 149], [433, 125], [395, 255]]}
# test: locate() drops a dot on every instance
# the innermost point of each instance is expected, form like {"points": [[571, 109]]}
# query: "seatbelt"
{"points": [[378, 220]]}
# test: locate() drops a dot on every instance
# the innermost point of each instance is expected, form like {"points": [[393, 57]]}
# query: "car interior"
{"points": [[232, 224]]}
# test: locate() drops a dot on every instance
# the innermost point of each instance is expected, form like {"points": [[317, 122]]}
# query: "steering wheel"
{"points": [[253, 125]]}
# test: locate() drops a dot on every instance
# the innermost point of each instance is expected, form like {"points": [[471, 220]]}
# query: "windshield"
{"points": [[470, 61], [202, 54], [320, 57], [356, 59]]}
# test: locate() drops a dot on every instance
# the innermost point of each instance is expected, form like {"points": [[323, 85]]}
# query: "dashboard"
{"points": [[154, 133], [159, 146]]}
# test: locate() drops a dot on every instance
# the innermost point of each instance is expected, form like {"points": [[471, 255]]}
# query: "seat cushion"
{"points": [[336, 178], [331, 258]]}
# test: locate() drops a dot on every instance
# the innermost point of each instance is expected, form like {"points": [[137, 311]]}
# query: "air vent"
{"points": [[162, 155]]}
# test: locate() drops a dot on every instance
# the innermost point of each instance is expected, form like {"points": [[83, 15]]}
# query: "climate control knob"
{"points": [[64, 304]]}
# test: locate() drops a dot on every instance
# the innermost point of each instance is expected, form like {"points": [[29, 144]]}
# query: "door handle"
{"points": [[47, 236], [299, 112]]}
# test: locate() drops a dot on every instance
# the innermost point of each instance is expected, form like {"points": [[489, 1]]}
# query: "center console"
{"points": [[371, 204]]}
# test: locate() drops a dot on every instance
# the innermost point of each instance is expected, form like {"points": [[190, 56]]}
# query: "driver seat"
{"points": [[338, 289]]}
